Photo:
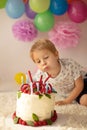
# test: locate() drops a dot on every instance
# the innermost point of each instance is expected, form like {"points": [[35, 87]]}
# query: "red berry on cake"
{"points": [[14, 115], [36, 123], [49, 91], [23, 122], [37, 93], [53, 119], [20, 121], [25, 88], [40, 123], [44, 122]]}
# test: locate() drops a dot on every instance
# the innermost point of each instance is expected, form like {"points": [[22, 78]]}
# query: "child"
{"points": [[67, 76]]}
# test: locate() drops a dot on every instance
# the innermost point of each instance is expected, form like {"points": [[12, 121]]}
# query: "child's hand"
{"points": [[62, 102]]}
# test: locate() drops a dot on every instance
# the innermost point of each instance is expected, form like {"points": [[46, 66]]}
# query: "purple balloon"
{"points": [[77, 11], [31, 14]]}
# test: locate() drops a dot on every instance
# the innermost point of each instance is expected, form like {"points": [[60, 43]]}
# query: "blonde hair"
{"points": [[42, 44]]}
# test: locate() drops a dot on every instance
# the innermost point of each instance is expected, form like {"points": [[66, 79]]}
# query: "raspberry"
{"points": [[49, 91], [37, 93], [44, 122], [25, 87], [23, 122], [53, 119], [40, 123], [14, 115], [36, 123], [26, 91], [20, 121]]}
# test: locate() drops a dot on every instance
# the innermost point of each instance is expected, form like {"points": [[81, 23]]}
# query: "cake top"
{"points": [[37, 87]]}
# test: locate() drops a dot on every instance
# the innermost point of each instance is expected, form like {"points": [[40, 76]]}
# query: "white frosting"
{"points": [[28, 104]]}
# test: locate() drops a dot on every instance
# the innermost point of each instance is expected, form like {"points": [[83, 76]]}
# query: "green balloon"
{"points": [[2, 3], [44, 21]]}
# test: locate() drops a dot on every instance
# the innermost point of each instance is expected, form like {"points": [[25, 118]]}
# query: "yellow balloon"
{"points": [[20, 78], [39, 6]]}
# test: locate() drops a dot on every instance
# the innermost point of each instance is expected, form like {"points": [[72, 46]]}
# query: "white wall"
{"points": [[14, 54]]}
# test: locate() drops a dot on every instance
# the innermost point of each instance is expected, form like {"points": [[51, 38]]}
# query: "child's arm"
{"points": [[79, 84]]}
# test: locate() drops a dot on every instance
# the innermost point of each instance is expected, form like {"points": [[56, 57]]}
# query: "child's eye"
{"points": [[46, 57], [38, 61]]}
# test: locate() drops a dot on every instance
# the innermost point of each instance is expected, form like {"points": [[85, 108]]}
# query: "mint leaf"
{"points": [[54, 91], [48, 95], [18, 94], [40, 96], [15, 120], [49, 122], [35, 117], [31, 123]]}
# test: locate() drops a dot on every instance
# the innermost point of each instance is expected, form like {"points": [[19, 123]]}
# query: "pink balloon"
{"points": [[77, 11]]}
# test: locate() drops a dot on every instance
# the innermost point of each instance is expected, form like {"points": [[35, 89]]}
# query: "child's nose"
{"points": [[43, 62]]}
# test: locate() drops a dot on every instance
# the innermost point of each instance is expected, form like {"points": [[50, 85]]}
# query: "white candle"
{"points": [[31, 87], [27, 79]]}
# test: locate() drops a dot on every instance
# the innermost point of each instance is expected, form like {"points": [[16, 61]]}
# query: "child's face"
{"points": [[45, 60]]}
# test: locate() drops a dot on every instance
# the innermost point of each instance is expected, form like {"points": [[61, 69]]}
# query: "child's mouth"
{"points": [[46, 68]]}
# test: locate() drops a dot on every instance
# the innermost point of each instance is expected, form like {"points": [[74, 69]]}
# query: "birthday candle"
{"points": [[46, 88], [27, 79], [47, 78], [31, 86], [31, 79]]}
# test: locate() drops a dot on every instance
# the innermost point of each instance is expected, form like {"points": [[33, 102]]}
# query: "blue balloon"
{"points": [[58, 7], [15, 8]]}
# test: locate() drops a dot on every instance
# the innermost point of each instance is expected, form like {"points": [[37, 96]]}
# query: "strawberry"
{"points": [[26, 91], [23, 122], [49, 91], [37, 93], [25, 87], [14, 115], [44, 122], [40, 123], [53, 119], [36, 123], [20, 121]]}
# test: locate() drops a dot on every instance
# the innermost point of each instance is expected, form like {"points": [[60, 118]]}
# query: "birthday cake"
{"points": [[35, 104]]}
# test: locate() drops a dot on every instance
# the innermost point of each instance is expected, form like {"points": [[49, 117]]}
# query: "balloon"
{"points": [[44, 21], [58, 7], [77, 11], [20, 78], [31, 14], [39, 6], [15, 8], [2, 3], [69, 1], [25, 1]]}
